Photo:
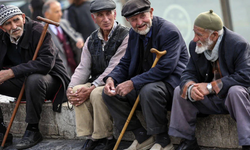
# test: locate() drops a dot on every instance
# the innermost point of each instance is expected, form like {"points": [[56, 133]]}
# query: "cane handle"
{"points": [[48, 21], [159, 54]]}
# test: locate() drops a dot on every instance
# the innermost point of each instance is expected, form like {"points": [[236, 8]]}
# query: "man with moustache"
{"points": [[46, 77], [216, 81], [134, 76], [101, 53]]}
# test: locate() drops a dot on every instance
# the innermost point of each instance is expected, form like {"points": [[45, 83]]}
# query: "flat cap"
{"points": [[134, 7], [209, 20], [7, 12], [100, 5]]}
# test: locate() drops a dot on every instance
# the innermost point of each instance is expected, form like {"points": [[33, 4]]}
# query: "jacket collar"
{"points": [[26, 34]]}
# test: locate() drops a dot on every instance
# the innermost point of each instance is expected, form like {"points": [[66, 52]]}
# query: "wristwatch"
{"points": [[209, 88]]}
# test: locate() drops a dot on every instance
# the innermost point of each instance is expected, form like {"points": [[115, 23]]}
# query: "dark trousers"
{"points": [[38, 87], [155, 99]]}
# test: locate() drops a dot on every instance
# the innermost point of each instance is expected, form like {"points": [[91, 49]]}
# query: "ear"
{"points": [[115, 14], [93, 17], [214, 36], [151, 12], [23, 16]]}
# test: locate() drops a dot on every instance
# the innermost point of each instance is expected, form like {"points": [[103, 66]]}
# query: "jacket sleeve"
{"points": [[45, 60]]}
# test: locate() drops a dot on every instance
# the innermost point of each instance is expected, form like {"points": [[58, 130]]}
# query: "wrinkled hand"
{"points": [[79, 43], [198, 91], [80, 96], [124, 88], [6, 75], [109, 87]]}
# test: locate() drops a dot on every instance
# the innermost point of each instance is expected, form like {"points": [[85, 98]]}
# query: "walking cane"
{"points": [[158, 56], [47, 21]]}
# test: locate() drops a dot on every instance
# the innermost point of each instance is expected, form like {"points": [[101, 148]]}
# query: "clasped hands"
{"points": [[198, 91], [79, 96]]}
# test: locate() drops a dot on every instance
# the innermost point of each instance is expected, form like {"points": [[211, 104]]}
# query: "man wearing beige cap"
{"points": [[102, 51], [134, 76], [216, 81]]}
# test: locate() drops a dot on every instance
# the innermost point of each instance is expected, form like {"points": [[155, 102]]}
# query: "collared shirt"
{"points": [[100, 36], [54, 30], [146, 38]]}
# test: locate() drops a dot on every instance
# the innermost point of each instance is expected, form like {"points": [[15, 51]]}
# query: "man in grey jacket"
{"points": [[67, 40], [101, 53]]}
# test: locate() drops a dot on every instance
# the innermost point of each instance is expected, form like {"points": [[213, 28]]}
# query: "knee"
{"points": [[235, 92], [96, 96], [35, 81]]}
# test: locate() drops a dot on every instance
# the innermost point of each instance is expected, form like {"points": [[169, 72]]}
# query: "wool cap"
{"points": [[7, 12], [134, 7], [209, 20], [100, 5]]}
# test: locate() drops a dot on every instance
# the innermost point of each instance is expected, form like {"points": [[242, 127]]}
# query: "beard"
{"points": [[14, 30], [143, 32], [204, 46]]}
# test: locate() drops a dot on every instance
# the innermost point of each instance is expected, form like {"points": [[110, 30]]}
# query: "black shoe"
{"points": [[89, 144], [106, 144], [8, 141], [188, 145], [29, 139], [245, 147]]}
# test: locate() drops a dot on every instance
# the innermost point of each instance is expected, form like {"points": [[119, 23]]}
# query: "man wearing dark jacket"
{"points": [[134, 76], [216, 81], [46, 77]]}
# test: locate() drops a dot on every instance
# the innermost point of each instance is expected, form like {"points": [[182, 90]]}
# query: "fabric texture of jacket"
{"points": [[47, 61], [72, 37], [234, 52], [165, 36]]}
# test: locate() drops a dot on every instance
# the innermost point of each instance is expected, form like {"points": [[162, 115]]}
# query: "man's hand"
{"points": [[109, 88], [199, 90], [6, 75], [124, 88], [80, 96], [79, 43]]}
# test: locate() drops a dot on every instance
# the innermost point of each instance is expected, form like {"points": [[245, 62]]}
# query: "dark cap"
{"points": [[134, 7], [100, 5]]}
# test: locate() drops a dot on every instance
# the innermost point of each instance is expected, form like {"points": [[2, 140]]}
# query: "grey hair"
{"points": [[46, 5], [220, 32]]}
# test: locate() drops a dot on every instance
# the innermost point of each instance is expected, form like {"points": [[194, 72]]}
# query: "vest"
{"points": [[100, 58]]}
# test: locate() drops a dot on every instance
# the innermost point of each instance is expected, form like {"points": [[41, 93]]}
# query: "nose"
{"points": [[13, 25], [195, 39], [139, 22], [105, 18]]}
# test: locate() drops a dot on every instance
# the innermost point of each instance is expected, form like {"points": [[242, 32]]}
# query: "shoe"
{"points": [[8, 141], [106, 144], [158, 147], [143, 146], [89, 144], [245, 147], [29, 139], [188, 145]]}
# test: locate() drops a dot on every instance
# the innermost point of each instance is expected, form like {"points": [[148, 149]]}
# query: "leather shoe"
{"points": [[143, 146], [106, 144], [188, 145], [89, 144], [245, 147], [29, 139], [8, 141]]}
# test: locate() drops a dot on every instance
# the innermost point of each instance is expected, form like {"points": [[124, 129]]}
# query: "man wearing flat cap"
{"points": [[45, 77], [102, 51], [134, 76], [216, 81]]}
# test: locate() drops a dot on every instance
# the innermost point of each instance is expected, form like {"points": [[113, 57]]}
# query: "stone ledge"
{"points": [[212, 131]]}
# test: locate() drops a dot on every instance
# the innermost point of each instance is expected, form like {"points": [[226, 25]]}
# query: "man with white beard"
{"points": [[134, 76], [216, 81]]}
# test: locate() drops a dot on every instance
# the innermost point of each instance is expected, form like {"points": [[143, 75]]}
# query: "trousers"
{"points": [[184, 112], [38, 87], [155, 100], [92, 117]]}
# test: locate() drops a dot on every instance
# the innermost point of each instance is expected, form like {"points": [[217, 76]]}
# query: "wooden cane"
{"points": [[158, 56], [47, 21]]}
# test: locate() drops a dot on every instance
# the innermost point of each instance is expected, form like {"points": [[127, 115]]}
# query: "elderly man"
{"points": [[215, 81], [101, 53], [134, 76], [67, 40], [46, 76]]}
